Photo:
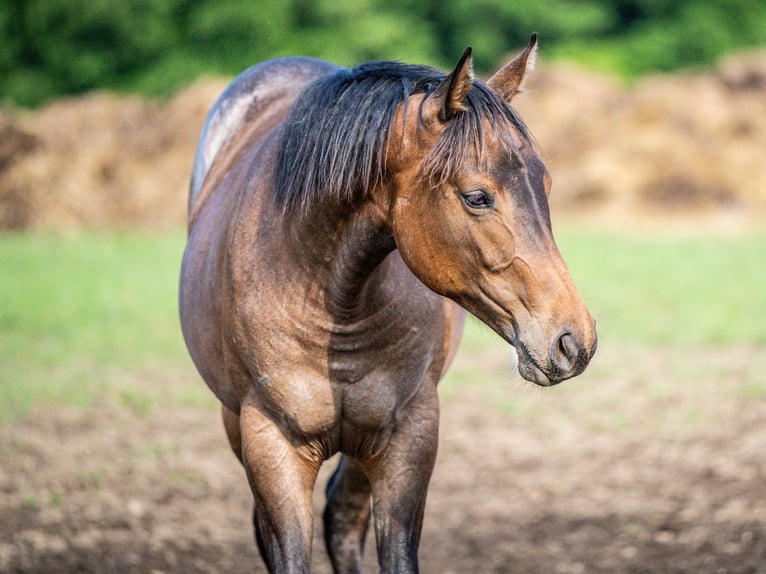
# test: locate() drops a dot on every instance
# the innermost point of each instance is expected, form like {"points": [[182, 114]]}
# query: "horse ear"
{"points": [[447, 99], [509, 80]]}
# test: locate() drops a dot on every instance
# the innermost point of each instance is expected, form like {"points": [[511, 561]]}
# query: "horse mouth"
{"points": [[527, 366], [530, 369], [503, 323]]}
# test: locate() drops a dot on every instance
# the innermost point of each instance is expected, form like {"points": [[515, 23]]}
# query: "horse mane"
{"points": [[333, 145]]}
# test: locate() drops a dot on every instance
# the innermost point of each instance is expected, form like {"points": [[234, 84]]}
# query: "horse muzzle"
{"points": [[567, 357]]}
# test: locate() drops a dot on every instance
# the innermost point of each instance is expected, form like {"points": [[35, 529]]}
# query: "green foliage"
{"points": [[657, 36], [350, 32], [495, 28], [155, 46], [75, 45]]}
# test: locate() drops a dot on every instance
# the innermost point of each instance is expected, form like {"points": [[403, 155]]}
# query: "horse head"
{"points": [[469, 212]]}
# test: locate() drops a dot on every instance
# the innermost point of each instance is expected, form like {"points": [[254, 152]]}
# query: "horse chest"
{"points": [[358, 393], [340, 383], [302, 403], [376, 378]]}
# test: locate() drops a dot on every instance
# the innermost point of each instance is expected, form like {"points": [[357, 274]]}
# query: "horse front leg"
{"points": [[233, 432], [347, 516], [282, 479], [399, 479]]}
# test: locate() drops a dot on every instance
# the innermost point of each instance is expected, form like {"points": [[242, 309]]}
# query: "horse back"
{"points": [[256, 101]]}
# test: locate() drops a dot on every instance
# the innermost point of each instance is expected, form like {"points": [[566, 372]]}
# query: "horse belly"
{"points": [[200, 309]]}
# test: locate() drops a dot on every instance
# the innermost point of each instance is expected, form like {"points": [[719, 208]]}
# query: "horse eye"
{"points": [[477, 200]]}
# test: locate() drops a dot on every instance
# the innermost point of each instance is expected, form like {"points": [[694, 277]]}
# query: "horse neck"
{"points": [[348, 250]]}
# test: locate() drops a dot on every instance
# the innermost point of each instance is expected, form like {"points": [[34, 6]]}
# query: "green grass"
{"points": [[670, 289], [88, 315], [680, 322], [80, 312]]}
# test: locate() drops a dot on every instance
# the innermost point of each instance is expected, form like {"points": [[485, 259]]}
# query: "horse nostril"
{"points": [[564, 353]]}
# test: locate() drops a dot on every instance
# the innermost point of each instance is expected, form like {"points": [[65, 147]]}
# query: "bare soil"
{"points": [[652, 462]]}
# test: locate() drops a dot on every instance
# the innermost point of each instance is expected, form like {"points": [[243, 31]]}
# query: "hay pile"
{"points": [[685, 144], [101, 160], [682, 144]]}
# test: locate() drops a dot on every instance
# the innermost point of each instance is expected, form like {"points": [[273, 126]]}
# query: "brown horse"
{"points": [[339, 223]]}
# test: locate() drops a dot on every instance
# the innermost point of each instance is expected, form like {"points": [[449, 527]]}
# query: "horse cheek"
{"points": [[495, 247], [420, 243]]}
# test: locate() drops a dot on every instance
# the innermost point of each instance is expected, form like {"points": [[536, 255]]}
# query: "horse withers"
{"points": [[339, 223]]}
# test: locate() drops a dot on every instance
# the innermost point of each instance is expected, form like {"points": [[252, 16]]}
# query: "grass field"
{"points": [[85, 315], [81, 312]]}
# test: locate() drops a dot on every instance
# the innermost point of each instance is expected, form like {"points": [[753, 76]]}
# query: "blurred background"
{"points": [[651, 117]]}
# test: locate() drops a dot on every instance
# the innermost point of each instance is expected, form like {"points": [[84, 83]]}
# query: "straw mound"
{"points": [[684, 144], [101, 160]]}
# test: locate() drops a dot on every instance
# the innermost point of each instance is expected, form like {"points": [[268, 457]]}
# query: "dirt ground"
{"points": [[651, 462]]}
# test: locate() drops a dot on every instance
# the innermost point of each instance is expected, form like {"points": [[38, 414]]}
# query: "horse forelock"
{"points": [[465, 136], [334, 142]]}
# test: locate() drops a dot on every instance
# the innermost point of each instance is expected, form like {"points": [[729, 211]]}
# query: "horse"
{"points": [[341, 222]]}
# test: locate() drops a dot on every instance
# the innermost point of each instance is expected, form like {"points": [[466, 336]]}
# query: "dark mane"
{"points": [[333, 146]]}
